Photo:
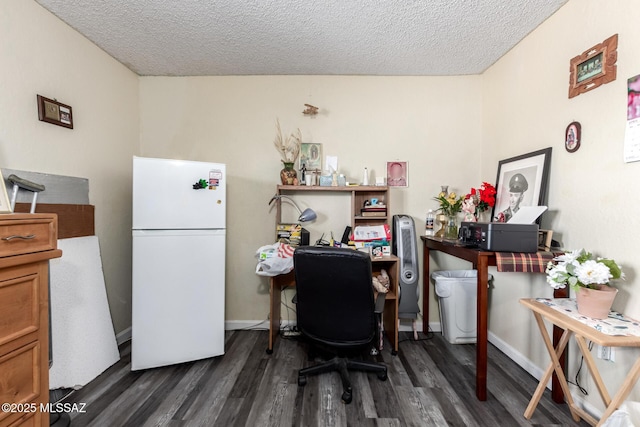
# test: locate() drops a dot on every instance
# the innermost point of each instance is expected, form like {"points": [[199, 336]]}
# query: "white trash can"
{"points": [[457, 292]]}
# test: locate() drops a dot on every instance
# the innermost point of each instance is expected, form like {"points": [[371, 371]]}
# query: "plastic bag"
{"points": [[274, 259]]}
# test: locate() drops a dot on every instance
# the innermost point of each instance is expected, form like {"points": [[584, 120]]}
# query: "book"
{"points": [[373, 213]]}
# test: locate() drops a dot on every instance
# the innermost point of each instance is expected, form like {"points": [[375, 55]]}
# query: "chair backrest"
{"points": [[335, 303]]}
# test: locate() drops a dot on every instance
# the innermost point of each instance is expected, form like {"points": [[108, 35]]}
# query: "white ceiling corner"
{"points": [[289, 37]]}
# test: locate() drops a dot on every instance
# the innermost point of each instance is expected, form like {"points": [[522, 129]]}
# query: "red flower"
{"points": [[485, 197]]}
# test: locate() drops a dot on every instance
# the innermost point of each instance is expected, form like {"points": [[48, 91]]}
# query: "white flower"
{"points": [[569, 257], [593, 272]]}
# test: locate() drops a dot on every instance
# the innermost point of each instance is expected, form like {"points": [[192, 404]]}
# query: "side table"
{"points": [[572, 325]]}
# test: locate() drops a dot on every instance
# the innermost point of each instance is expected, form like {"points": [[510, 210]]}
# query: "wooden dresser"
{"points": [[27, 243]]}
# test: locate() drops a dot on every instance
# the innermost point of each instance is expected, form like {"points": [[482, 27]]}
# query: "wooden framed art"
{"points": [[572, 137], [521, 181], [594, 67], [54, 112]]}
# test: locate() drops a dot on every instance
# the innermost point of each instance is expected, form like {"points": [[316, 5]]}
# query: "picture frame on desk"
{"points": [[521, 181], [310, 156]]}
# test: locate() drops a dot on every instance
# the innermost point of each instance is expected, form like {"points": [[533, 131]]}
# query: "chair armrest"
{"points": [[380, 302]]}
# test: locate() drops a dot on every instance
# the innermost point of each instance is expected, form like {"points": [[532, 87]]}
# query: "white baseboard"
{"points": [[537, 372], [517, 357], [234, 325], [124, 336]]}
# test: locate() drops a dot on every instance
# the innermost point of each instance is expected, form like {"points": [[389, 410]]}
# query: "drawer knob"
{"points": [[16, 236]]}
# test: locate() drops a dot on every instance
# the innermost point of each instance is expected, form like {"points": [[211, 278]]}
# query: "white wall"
{"points": [[433, 122], [592, 192], [42, 55]]}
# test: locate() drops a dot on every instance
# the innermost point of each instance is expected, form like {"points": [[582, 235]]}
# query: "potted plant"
{"points": [[450, 205], [589, 277]]}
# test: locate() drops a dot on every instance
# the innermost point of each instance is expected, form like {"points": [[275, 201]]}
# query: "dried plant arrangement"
{"points": [[288, 148]]}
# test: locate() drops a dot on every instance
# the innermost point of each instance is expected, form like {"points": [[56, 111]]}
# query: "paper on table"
{"points": [[527, 214]]}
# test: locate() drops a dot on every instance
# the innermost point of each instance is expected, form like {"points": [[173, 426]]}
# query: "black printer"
{"points": [[500, 236]]}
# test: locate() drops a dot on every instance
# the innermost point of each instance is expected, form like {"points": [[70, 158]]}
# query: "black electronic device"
{"points": [[500, 236]]}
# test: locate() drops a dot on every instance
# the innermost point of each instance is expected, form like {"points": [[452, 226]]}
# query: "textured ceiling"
{"points": [[272, 37]]}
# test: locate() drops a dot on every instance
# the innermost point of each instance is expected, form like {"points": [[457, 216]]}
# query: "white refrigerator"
{"points": [[178, 282]]}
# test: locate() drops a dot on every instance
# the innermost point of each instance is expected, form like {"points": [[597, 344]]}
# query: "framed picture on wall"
{"points": [[572, 137], [54, 112], [5, 205], [398, 174], [521, 181], [593, 67], [311, 156]]}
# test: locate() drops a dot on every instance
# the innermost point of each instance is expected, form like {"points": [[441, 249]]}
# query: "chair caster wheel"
{"points": [[302, 381], [382, 376], [269, 351], [394, 353], [347, 397]]}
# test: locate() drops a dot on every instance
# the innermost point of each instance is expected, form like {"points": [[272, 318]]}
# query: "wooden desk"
{"points": [[481, 260], [390, 314], [582, 332]]}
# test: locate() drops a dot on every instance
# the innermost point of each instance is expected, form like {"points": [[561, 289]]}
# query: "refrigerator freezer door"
{"points": [[178, 296], [164, 198]]}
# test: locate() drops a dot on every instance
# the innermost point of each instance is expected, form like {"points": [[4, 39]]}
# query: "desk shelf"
{"points": [[359, 194]]}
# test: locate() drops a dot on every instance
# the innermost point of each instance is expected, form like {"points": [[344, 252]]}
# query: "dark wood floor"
{"points": [[431, 383]]}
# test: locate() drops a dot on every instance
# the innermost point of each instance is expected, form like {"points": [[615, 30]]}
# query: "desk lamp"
{"points": [[305, 216]]}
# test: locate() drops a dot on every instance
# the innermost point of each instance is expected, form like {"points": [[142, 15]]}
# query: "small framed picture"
{"points": [[398, 174], [544, 240], [54, 112], [311, 156], [594, 67], [5, 205], [572, 137]]}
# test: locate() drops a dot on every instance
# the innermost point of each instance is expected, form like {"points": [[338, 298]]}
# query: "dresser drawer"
{"points": [[20, 376], [23, 236], [20, 307]]}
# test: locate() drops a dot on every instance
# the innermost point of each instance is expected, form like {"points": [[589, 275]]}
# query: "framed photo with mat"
{"points": [[521, 181]]}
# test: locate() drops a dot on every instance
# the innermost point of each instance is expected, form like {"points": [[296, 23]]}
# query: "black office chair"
{"points": [[336, 310]]}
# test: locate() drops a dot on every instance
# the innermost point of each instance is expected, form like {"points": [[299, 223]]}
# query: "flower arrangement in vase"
{"points": [[450, 206], [482, 198], [589, 277], [289, 148]]}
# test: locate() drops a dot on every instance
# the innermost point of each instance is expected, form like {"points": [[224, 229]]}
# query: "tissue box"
{"points": [[325, 181]]}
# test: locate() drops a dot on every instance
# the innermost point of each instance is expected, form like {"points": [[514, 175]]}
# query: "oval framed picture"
{"points": [[572, 137]]}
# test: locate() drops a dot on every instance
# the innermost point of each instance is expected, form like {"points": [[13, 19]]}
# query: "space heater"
{"points": [[405, 247]]}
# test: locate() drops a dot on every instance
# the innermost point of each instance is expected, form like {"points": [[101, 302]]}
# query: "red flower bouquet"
{"points": [[483, 197]]}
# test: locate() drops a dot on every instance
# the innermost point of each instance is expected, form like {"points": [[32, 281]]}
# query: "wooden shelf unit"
{"points": [[359, 193]]}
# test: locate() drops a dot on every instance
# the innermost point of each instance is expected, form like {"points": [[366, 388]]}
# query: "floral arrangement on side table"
{"points": [[483, 198], [588, 276]]}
